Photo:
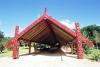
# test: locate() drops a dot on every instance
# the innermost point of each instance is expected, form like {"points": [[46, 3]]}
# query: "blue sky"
{"points": [[24, 12]]}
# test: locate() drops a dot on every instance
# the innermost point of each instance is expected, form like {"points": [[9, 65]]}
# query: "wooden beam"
{"points": [[51, 30]]}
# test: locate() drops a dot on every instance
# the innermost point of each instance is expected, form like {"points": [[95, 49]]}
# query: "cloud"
{"points": [[6, 35], [38, 16], [10, 32], [68, 23]]}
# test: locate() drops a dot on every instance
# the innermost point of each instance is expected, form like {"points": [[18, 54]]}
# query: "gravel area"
{"points": [[41, 60]]}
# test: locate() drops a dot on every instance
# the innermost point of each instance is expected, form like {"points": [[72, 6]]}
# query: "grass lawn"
{"points": [[6, 54], [22, 50]]}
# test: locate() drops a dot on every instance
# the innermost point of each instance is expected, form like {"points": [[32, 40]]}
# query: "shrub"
{"points": [[95, 55], [87, 49]]}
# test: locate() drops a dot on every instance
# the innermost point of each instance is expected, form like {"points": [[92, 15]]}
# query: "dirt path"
{"points": [[46, 61]]}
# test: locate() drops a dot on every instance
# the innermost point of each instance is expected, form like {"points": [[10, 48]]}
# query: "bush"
{"points": [[95, 55], [87, 49]]}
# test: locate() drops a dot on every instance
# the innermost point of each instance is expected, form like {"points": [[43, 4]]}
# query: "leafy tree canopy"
{"points": [[1, 34], [91, 32]]}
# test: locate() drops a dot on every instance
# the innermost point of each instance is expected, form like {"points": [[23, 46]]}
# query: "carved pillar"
{"points": [[16, 44], [79, 42], [71, 46]]}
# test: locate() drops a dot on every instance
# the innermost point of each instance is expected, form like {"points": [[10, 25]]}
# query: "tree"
{"points": [[92, 32], [1, 47], [1, 37]]}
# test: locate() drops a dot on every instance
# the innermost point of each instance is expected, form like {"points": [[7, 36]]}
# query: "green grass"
{"points": [[22, 50], [6, 54]]}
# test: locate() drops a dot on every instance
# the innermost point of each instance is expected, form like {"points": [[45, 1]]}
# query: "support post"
{"points": [[79, 42], [29, 45], [63, 46], [71, 46], [35, 47], [16, 44]]}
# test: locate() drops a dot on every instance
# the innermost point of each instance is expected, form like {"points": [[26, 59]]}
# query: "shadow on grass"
{"points": [[2, 52]]}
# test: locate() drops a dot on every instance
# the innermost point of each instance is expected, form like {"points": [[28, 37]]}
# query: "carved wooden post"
{"points": [[16, 44], [79, 42], [71, 46]]}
